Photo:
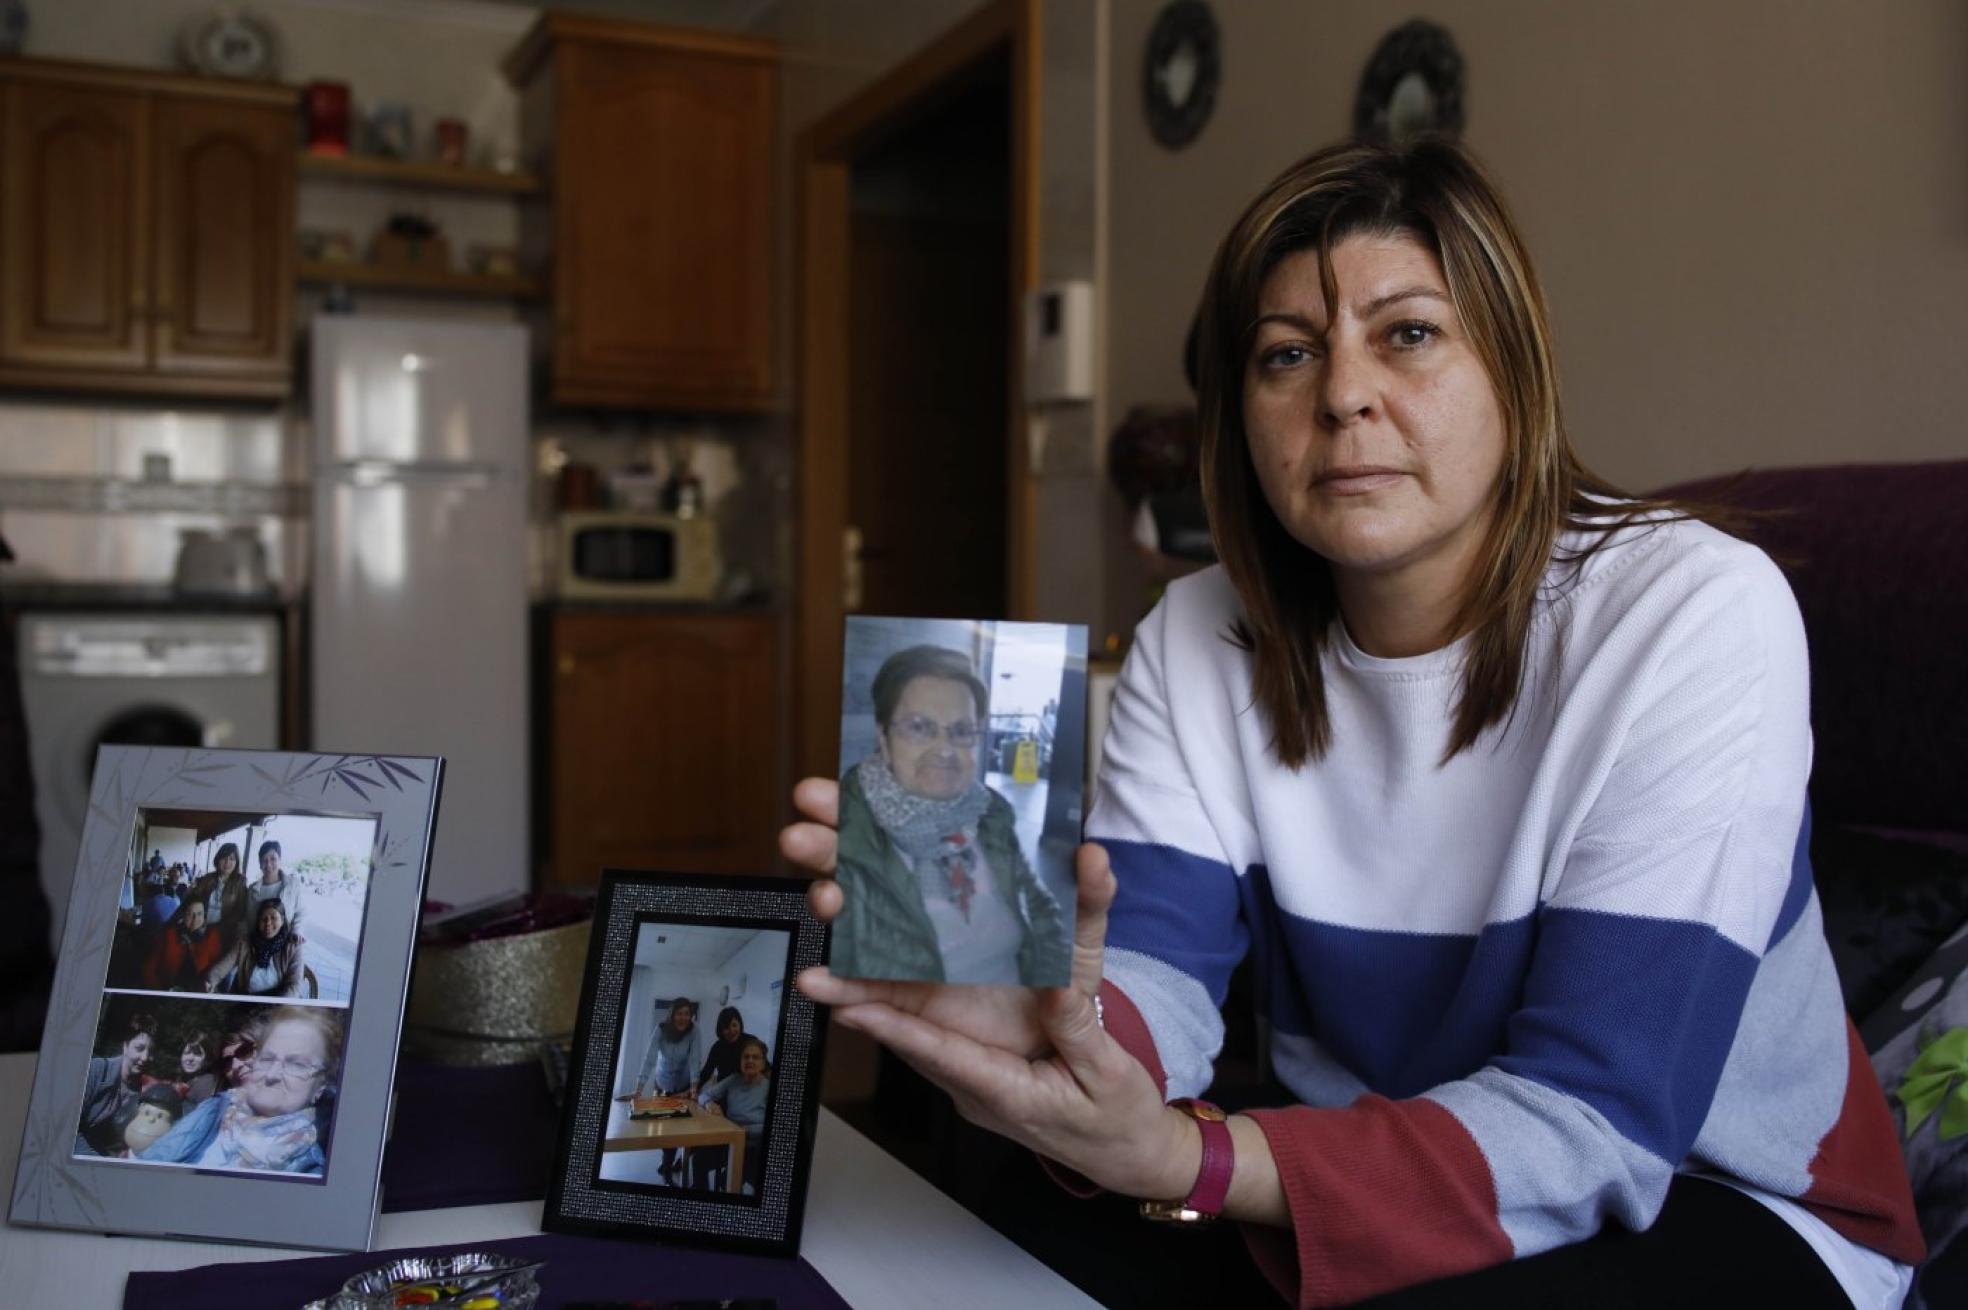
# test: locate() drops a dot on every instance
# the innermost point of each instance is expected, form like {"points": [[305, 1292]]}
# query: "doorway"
{"points": [[916, 247]]}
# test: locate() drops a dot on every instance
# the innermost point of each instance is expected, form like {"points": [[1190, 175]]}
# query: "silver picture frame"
{"points": [[362, 826]]}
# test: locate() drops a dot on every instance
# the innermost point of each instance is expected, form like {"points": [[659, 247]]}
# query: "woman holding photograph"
{"points": [[274, 1119], [186, 949], [942, 889], [114, 1088], [740, 1097], [270, 960], [1498, 774]]}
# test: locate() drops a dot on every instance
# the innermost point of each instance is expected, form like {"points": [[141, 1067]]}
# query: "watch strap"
{"points": [[1205, 1200]]}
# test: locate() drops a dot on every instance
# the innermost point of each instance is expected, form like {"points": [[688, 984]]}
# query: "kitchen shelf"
{"points": [[130, 495], [407, 173], [438, 280]]}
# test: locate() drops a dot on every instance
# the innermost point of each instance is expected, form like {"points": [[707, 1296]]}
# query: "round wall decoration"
{"points": [[1413, 84], [1180, 72], [227, 42]]}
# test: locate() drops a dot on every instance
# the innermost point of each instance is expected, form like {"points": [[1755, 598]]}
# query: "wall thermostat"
{"points": [[1059, 343]]}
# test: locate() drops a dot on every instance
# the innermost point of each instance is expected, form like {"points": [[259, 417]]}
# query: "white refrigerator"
{"points": [[418, 614]]}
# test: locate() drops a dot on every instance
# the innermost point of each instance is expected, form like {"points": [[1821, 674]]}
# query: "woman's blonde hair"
{"points": [[1435, 192]]}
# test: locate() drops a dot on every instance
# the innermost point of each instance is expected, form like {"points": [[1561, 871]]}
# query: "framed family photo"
{"points": [[693, 1088], [221, 1043], [963, 755]]}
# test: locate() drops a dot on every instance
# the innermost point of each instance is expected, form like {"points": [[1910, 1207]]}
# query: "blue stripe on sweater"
{"points": [[1404, 1011], [1798, 894], [1179, 908], [1632, 1016]]}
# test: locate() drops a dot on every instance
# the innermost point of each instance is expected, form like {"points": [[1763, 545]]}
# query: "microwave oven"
{"points": [[631, 555]]}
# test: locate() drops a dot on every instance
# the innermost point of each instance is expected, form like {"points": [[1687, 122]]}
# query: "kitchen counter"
{"points": [[43, 595]]}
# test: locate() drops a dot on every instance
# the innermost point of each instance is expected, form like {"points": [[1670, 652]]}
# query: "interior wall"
{"points": [[1751, 216], [832, 49]]}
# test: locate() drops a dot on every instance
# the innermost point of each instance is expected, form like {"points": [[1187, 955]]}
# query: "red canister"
{"points": [[327, 118]]}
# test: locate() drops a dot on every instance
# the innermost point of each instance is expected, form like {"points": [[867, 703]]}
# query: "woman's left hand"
{"points": [[1087, 1104]]}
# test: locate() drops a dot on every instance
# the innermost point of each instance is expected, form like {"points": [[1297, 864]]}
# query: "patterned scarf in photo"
{"points": [[249, 1141], [939, 838]]}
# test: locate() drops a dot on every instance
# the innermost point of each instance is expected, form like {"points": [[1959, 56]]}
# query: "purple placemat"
{"points": [[577, 1269], [469, 1136]]}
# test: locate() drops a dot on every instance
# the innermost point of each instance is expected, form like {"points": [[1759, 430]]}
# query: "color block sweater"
{"points": [[1517, 991]]}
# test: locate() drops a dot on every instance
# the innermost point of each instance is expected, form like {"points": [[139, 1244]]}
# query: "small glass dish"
{"points": [[467, 1280]]}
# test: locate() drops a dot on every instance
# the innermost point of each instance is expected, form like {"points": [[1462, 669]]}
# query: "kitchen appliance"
{"points": [[91, 679], [213, 564], [418, 602], [633, 555]]}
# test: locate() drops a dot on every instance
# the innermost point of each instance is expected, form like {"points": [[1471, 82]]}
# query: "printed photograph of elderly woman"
{"points": [[709, 1076], [152, 1097], [962, 749], [213, 932]]}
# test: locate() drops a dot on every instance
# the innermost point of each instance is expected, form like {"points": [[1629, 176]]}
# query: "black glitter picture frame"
{"points": [[660, 938]]}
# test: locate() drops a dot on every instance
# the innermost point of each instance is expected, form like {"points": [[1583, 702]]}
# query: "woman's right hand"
{"points": [[1006, 1017]]}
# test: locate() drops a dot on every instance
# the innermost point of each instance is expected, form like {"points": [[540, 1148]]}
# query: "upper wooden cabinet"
{"points": [[659, 144], [146, 232]]}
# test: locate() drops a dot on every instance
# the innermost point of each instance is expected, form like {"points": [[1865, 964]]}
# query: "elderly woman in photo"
{"points": [[186, 949], [268, 960], [273, 1119], [114, 1088], [1496, 774], [740, 1097], [938, 886]]}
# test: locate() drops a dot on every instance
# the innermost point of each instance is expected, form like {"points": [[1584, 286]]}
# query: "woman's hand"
{"points": [[1004, 1017], [714, 1108], [1031, 1064]]}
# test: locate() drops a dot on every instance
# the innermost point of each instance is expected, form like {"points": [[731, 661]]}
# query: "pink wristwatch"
{"points": [[1205, 1200]]}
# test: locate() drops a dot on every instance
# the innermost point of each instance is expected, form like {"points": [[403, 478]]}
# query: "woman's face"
{"points": [[194, 920], [269, 865], [136, 1054], [1377, 438], [930, 742], [191, 1060], [271, 920], [751, 1064], [229, 863], [730, 1030], [682, 1018], [288, 1070]]}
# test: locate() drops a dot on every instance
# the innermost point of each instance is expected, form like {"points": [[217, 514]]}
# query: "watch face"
{"points": [[1180, 72]]}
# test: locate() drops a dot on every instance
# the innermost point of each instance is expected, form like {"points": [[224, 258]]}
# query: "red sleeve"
{"points": [[1383, 1194]]}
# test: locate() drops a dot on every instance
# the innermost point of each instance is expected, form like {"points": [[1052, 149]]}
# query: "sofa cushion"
{"points": [[1878, 557], [1888, 903], [1919, 1044]]}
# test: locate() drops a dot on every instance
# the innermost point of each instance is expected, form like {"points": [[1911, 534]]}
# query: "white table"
{"points": [[874, 1230]]}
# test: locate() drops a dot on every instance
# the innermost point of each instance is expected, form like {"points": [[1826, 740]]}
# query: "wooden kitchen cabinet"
{"points": [[659, 144], [666, 743], [146, 232]]}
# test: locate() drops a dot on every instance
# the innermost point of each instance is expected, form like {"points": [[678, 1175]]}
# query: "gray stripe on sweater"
{"points": [[1560, 1168], [1187, 1028]]}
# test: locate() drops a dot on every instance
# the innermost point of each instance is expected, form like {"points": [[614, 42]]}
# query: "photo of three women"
{"points": [[707, 1075], [235, 933], [255, 1096], [733, 1081]]}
